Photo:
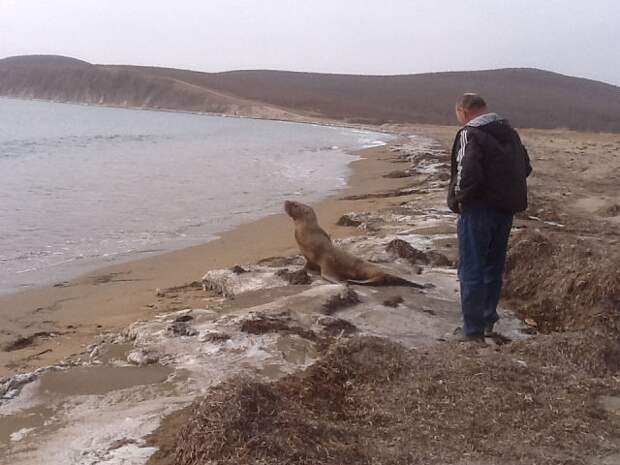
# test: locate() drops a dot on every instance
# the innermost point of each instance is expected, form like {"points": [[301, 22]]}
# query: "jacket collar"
{"points": [[483, 120]]}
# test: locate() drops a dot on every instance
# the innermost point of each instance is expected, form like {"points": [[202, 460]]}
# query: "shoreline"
{"points": [[303, 119], [257, 330], [54, 322], [100, 263]]}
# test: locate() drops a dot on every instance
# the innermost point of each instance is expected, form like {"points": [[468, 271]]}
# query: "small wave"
{"points": [[374, 143], [27, 270]]}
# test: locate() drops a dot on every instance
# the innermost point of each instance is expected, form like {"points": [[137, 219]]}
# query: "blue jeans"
{"points": [[483, 240]]}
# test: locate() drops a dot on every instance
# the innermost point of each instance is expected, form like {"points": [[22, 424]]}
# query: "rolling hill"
{"points": [[529, 97]]}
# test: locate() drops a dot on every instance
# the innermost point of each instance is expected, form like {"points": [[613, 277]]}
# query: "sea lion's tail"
{"points": [[388, 280]]}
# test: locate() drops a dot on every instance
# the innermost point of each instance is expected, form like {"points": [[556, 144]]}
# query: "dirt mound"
{"points": [[370, 401], [563, 284]]}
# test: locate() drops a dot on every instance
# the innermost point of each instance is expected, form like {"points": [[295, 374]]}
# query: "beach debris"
{"points": [[214, 337], [122, 443], [393, 301], [398, 174], [238, 269], [431, 167], [438, 259], [609, 211], [444, 176], [365, 389], [143, 357], [11, 386], [338, 327], [550, 223], [348, 219], [363, 220], [261, 324], [282, 262], [404, 249], [183, 318], [93, 352], [345, 298], [181, 329], [159, 293], [228, 283], [560, 284], [299, 277], [387, 194], [20, 434], [21, 342]]}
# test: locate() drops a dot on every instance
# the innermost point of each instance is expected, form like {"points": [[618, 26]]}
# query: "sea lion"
{"points": [[332, 263]]}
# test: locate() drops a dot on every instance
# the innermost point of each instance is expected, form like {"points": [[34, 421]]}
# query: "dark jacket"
{"points": [[489, 166]]}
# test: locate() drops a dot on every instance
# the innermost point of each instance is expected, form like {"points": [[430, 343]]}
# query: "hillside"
{"points": [[529, 97], [62, 79]]}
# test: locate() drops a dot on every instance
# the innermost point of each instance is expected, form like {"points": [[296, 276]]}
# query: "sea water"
{"points": [[82, 187]]}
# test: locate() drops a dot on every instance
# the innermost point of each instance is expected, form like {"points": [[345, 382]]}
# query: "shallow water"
{"points": [[86, 186]]}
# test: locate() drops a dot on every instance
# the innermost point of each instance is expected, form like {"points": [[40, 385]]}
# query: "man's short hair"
{"points": [[471, 101]]}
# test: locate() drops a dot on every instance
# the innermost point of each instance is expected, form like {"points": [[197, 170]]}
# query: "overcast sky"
{"points": [[580, 38]]}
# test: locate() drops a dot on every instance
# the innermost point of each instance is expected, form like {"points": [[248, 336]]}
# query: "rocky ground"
{"points": [[263, 363]]}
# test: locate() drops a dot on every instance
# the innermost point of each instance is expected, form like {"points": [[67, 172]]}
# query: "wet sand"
{"points": [[43, 326]]}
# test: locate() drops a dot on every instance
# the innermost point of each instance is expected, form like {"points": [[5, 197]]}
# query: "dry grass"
{"points": [[370, 401], [563, 284]]}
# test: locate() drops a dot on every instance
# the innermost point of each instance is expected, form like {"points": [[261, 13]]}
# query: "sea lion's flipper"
{"points": [[312, 267], [330, 278], [328, 274], [387, 280], [362, 282]]}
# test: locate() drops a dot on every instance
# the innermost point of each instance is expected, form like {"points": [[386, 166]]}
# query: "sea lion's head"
{"points": [[298, 211]]}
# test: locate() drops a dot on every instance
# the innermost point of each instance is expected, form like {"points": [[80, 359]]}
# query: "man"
{"points": [[487, 187]]}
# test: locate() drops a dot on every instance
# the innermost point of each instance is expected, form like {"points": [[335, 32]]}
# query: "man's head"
{"points": [[469, 106]]}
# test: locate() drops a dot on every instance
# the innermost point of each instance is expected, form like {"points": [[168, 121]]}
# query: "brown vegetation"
{"points": [[371, 401], [263, 324], [563, 284]]}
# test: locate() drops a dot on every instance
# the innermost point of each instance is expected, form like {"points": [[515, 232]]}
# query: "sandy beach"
{"points": [[57, 321], [150, 367]]}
